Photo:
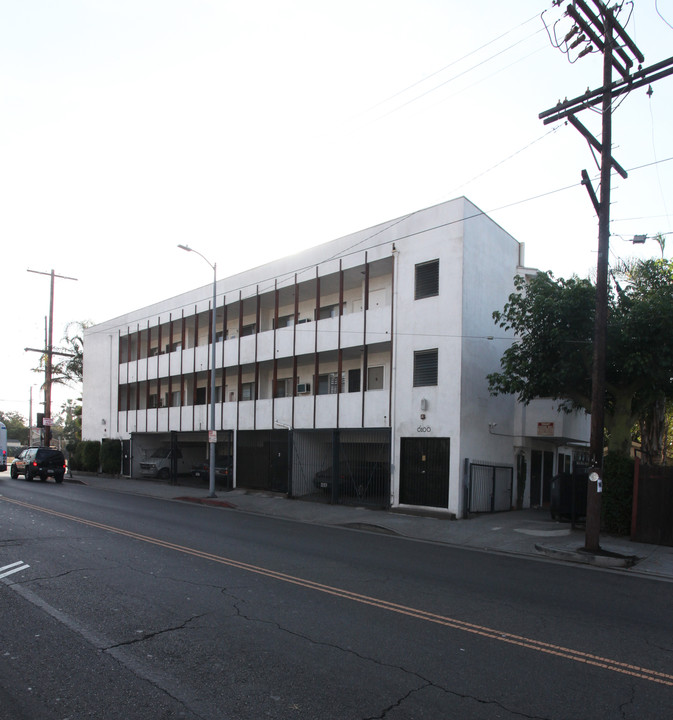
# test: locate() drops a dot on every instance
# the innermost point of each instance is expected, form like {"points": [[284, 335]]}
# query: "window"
{"points": [[200, 397], [176, 398], [248, 391], [329, 311], [427, 280], [354, 380], [425, 368], [328, 384], [247, 330], [285, 321], [375, 377], [284, 387], [564, 462]]}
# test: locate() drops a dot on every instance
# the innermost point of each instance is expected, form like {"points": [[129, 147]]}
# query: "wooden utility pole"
{"points": [[48, 353], [595, 486], [601, 29]]}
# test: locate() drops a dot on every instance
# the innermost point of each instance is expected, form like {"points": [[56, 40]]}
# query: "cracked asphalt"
{"points": [[134, 606]]}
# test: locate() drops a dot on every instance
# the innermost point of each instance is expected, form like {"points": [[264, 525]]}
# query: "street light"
{"points": [[212, 434]]}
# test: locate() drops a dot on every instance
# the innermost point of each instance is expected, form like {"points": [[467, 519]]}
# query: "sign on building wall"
{"points": [[545, 429]]}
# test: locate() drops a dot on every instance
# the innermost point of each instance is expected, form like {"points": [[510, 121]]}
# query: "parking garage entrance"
{"points": [[342, 466], [262, 460]]}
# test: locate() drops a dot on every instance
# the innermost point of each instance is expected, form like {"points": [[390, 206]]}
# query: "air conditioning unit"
{"points": [[303, 388]]}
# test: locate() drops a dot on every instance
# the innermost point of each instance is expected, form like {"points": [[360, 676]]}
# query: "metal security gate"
{"points": [[490, 487], [262, 460], [424, 471], [126, 458], [358, 459]]}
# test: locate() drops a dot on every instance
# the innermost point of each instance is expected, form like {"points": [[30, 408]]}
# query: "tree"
{"points": [[552, 356], [69, 371], [71, 413], [17, 427]]}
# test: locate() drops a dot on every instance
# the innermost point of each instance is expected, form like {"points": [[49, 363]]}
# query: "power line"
{"points": [[352, 249], [456, 77], [451, 64]]}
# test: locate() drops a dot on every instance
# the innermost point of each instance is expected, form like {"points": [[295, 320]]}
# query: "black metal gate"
{"points": [[126, 458], [424, 471], [358, 459], [262, 460], [490, 487]]}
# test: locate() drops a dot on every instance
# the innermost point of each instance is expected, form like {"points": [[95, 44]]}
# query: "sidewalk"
{"points": [[520, 532]]}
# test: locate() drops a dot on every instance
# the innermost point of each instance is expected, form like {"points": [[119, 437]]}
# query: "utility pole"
{"points": [[49, 352], [599, 27]]}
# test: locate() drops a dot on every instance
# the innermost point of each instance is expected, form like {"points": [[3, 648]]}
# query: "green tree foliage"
{"points": [[17, 427], [71, 417], [552, 357], [68, 370]]}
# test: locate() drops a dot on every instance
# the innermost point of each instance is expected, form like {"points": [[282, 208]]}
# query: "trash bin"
{"points": [[569, 496]]}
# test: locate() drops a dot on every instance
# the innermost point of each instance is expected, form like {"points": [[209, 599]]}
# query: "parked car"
{"points": [[223, 469], [158, 464], [356, 478], [42, 462]]}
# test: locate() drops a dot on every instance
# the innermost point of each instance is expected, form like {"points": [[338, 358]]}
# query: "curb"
{"points": [[206, 501], [604, 558]]}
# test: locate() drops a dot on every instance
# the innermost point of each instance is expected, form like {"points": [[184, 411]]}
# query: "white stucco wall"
{"points": [[477, 263]]}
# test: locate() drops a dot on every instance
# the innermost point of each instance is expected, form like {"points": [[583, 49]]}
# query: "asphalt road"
{"points": [[128, 607]]}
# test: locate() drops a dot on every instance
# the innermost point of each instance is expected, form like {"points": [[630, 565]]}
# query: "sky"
{"points": [[252, 129]]}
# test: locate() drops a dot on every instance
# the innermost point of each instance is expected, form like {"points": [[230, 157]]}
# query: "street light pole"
{"points": [[212, 434]]}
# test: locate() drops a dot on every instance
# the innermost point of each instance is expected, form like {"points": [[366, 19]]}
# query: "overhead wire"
{"points": [[451, 64], [388, 226], [352, 249], [656, 7], [456, 77]]}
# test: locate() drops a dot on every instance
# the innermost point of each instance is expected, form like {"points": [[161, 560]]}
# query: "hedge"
{"points": [[111, 457], [617, 494]]}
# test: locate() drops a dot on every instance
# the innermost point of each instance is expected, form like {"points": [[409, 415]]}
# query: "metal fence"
{"points": [[653, 505], [489, 487], [342, 466]]}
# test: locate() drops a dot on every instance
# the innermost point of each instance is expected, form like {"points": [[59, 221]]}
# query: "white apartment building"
{"points": [[362, 360]]}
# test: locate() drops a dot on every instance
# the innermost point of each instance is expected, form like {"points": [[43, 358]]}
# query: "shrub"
{"points": [[110, 457], [617, 494], [88, 455]]}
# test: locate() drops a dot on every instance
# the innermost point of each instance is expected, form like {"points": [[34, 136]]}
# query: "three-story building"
{"points": [[354, 371]]}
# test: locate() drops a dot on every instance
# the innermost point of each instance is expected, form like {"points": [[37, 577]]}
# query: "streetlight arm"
{"points": [[188, 249]]}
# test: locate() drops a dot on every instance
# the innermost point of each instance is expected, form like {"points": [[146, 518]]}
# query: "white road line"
{"points": [[6, 567], [13, 568]]}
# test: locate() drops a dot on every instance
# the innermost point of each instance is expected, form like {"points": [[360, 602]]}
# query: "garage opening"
{"points": [[342, 466]]}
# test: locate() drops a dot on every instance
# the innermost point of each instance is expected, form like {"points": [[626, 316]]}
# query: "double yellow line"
{"points": [[480, 630]]}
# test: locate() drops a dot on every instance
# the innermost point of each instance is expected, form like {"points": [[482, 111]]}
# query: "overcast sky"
{"points": [[252, 129]]}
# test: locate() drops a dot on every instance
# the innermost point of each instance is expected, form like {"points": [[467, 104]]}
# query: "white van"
{"points": [[158, 464]]}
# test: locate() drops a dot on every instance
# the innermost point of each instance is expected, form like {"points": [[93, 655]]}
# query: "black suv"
{"points": [[39, 461]]}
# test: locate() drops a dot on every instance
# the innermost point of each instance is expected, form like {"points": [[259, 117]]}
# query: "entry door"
{"points": [[424, 471], [541, 472]]}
